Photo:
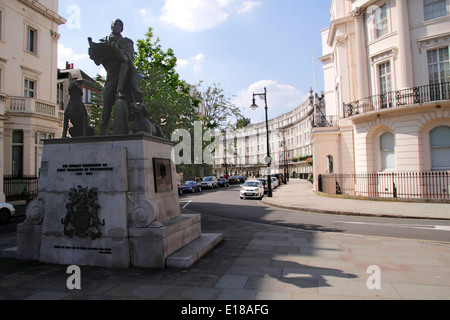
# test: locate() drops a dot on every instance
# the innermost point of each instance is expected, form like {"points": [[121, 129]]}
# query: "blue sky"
{"points": [[243, 45]]}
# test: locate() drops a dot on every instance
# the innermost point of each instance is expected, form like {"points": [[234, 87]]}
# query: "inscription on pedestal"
{"points": [[84, 169]]}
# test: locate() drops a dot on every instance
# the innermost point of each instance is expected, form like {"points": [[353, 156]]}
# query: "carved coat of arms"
{"points": [[82, 214]]}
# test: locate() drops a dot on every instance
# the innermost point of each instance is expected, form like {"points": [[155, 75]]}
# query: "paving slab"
{"points": [[254, 261]]}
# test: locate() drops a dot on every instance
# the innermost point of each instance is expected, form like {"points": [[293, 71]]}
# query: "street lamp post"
{"points": [[284, 158], [268, 159]]}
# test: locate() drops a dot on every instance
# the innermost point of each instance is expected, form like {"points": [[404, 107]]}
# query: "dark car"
{"points": [[279, 176], [264, 182], [222, 182], [191, 186], [241, 179], [233, 180]]}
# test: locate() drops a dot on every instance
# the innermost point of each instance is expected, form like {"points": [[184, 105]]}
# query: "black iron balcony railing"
{"points": [[322, 121], [398, 98]]}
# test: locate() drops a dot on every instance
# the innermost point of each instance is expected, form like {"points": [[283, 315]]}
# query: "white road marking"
{"points": [[425, 227], [187, 203]]}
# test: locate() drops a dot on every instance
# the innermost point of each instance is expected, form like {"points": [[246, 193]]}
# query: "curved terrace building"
{"points": [[243, 152]]}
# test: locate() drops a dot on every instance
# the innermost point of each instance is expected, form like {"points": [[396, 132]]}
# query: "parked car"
{"points": [[180, 189], [264, 183], [222, 182], [233, 180], [191, 186], [7, 210], [252, 189], [240, 179], [275, 182], [279, 177], [210, 182]]}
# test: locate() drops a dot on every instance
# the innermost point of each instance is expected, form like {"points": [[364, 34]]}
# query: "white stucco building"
{"points": [[28, 83], [244, 151], [387, 78]]}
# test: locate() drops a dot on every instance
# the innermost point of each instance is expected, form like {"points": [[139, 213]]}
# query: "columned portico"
{"points": [[361, 57], [405, 76]]}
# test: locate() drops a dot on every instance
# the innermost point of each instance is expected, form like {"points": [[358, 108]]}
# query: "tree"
{"points": [[171, 102], [166, 96], [242, 123], [218, 111], [95, 110]]}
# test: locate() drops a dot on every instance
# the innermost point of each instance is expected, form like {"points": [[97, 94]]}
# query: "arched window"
{"points": [[440, 148], [387, 151]]}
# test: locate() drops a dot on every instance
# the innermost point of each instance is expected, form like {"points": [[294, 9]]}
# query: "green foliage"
{"points": [[218, 111], [96, 111], [242, 123], [166, 96]]}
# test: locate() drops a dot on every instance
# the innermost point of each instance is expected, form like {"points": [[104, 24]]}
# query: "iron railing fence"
{"points": [[403, 97], [321, 121], [20, 188], [433, 185]]}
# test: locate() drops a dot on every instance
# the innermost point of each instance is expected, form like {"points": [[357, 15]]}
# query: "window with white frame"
{"points": [[387, 151], [435, 9], [385, 82], [330, 165], [60, 95], [1, 24], [32, 40], [17, 154], [85, 95], [29, 88], [384, 74], [39, 147], [381, 21], [440, 148], [438, 72]]}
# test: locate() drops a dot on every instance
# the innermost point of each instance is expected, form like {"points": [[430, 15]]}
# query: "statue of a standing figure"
{"points": [[115, 53]]}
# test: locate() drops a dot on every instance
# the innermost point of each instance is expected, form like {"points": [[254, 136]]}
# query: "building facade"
{"points": [[88, 86], [28, 83], [244, 151], [387, 78]]}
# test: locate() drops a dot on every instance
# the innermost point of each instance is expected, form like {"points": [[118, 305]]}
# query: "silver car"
{"points": [[210, 182], [253, 189], [7, 210]]}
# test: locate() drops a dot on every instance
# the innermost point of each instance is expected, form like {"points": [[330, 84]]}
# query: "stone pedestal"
{"points": [[108, 201]]}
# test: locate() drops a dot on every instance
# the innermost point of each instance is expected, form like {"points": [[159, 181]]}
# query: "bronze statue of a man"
{"points": [[115, 53]]}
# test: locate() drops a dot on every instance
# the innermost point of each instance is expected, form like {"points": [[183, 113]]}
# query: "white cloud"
{"points": [[194, 63], [198, 15], [68, 55], [146, 17], [281, 98], [247, 6], [194, 15]]}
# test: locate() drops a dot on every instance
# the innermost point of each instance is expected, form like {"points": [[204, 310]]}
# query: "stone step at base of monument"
{"points": [[194, 251], [9, 253]]}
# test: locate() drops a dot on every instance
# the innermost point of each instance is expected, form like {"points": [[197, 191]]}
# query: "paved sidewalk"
{"points": [[258, 262], [298, 194]]}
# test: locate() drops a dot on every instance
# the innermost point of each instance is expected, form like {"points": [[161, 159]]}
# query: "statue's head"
{"points": [[117, 26], [75, 89]]}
